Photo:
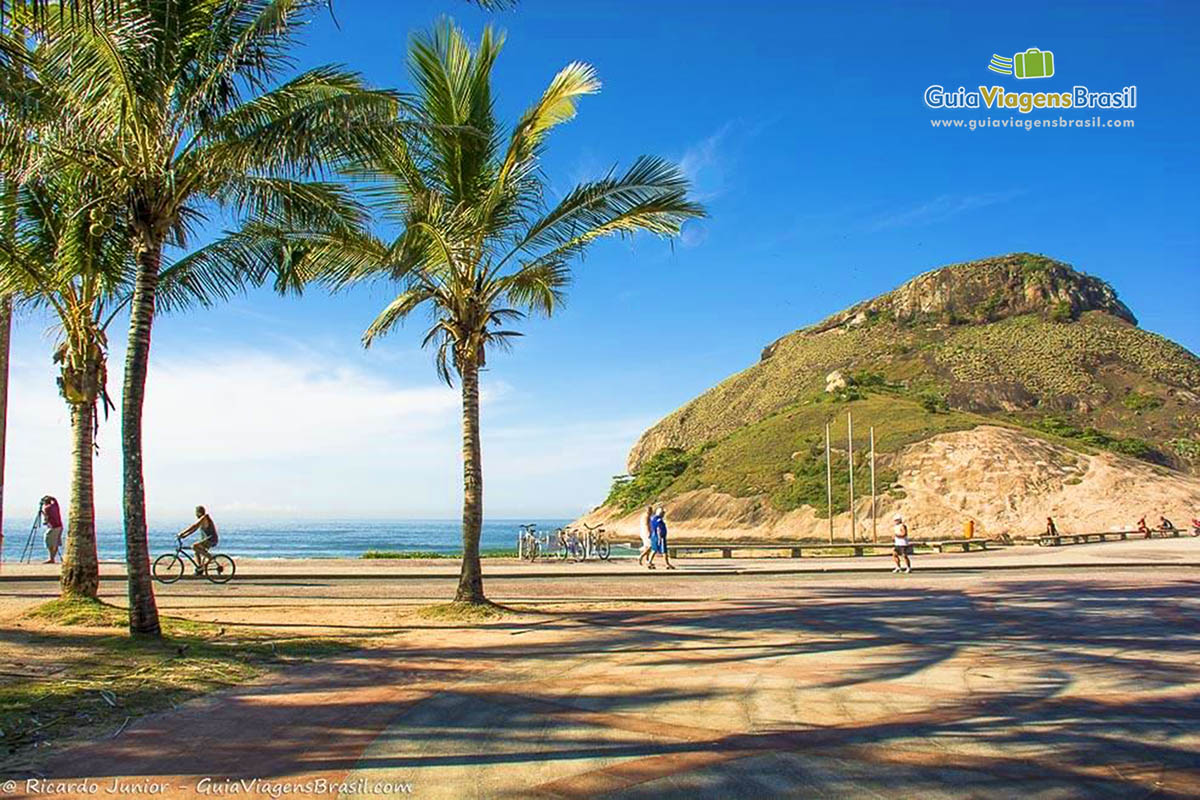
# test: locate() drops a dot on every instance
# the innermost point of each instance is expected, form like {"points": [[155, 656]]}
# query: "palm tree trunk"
{"points": [[143, 612], [470, 581], [6, 308], [81, 568], [5, 346]]}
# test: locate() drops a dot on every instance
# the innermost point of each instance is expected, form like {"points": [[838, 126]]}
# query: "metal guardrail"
{"points": [[1095, 537], [855, 548]]}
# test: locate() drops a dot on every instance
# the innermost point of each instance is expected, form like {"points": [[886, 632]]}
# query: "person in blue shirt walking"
{"points": [[658, 528]]}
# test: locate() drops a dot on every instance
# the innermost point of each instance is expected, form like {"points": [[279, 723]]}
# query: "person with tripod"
{"points": [[52, 519]]}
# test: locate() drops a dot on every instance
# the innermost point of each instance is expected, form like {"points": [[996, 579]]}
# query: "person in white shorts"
{"points": [[644, 532], [900, 545], [52, 519]]}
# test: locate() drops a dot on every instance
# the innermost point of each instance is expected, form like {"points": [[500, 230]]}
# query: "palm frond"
{"points": [[540, 286], [394, 312], [556, 106], [320, 119], [650, 196], [311, 205]]}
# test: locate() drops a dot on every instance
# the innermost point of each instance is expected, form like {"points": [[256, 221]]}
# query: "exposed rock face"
{"points": [[985, 291]]}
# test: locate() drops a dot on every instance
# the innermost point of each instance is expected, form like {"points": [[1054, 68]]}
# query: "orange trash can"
{"points": [[969, 529]]}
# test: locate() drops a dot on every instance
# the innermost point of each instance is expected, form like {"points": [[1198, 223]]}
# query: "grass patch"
{"points": [[414, 554], [1138, 401], [87, 680], [465, 612], [1186, 448], [80, 611]]}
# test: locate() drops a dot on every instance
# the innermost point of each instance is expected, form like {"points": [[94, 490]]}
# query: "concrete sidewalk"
{"points": [[1175, 552]]}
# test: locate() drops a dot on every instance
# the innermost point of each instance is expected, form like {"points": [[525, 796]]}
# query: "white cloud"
{"points": [[704, 165], [940, 209], [298, 434]]}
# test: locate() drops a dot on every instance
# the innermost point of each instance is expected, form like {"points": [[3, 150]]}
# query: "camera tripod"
{"points": [[27, 553]]}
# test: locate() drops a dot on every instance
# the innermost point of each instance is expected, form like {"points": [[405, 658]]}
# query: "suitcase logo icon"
{"points": [[1033, 63]]}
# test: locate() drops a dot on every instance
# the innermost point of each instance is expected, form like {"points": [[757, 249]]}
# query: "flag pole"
{"points": [[850, 451], [874, 516], [829, 482]]}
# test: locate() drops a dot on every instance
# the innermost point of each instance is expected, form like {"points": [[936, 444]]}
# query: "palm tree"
{"points": [[68, 257], [87, 11], [14, 90], [479, 249], [177, 101]]}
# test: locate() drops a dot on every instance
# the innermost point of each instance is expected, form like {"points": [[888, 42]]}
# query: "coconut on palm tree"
{"points": [[184, 112], [479, 248]]}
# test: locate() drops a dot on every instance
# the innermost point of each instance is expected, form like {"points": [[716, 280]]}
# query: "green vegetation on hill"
{"points": [[1096, 370], [783, 456], [654, 479], [1126, 445], [1054, 361]]}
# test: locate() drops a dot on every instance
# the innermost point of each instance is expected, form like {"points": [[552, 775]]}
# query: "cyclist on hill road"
{"points": [[208, 538]]}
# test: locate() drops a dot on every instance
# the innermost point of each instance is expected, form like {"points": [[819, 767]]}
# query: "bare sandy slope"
{"points": [[1005, 480]]}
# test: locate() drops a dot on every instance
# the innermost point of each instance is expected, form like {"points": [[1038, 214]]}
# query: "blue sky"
{"points": [[804, 130]]}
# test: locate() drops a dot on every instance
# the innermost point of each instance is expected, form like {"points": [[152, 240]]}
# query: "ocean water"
{"points": [[306, 539]]}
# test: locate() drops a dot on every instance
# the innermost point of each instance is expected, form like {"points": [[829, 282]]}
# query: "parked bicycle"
{"points": [[571, 545], [528, 546], [597, 543], [169, 567]]}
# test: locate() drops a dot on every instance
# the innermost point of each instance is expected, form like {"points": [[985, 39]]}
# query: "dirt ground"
{"points": [[960, 680]]}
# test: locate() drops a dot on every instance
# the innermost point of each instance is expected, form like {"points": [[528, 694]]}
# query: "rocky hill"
{"points": [[1018, 362]]}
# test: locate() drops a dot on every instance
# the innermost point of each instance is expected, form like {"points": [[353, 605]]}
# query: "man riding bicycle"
{"points": [[208, 539]]}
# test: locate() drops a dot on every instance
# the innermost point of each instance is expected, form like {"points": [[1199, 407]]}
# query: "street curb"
{"points": [[680, 573]]}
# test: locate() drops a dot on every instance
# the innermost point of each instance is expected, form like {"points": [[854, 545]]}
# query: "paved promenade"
{"points": [[1033, 682], [1184, 550]]}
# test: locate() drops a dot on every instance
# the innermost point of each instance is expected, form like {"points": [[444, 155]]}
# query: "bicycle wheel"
{"points": [[603, 548], [168, 568], [220, 569]]}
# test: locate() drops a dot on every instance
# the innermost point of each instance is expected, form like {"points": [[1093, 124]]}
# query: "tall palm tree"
{"points": [[183, 111], [14, 90], [479, 249], [68, 257]]}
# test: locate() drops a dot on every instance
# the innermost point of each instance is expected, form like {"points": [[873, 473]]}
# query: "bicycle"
{"points": [[570, 545], [527, 542], [169, 567], [597, 542]]}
